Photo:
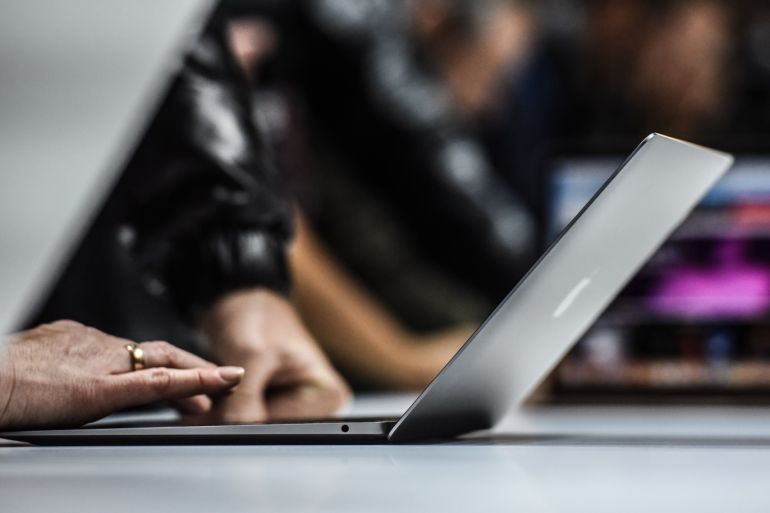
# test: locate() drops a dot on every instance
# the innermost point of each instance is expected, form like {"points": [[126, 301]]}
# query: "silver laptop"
{"points": [[529, 332]]}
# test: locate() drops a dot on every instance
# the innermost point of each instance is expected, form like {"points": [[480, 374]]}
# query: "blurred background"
{"points": [[436, 147]]}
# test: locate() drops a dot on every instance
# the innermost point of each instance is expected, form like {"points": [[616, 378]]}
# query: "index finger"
{"points": [[248, 403], [153, 385]]}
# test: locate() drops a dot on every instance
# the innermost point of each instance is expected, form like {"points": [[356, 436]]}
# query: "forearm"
{"points": [[222, 324], [356, 342], [359, 334]]}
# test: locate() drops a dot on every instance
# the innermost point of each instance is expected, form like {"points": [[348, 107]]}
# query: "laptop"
{"points": [[520, 343]]}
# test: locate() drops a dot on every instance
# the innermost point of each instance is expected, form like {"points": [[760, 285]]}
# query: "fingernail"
{"points": [[232, 374]]}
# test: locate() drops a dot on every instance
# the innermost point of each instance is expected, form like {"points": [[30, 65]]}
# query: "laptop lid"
{"points": [[567, 289], [78, 81]]}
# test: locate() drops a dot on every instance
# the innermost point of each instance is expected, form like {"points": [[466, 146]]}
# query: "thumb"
{"points": [[248, 402]]}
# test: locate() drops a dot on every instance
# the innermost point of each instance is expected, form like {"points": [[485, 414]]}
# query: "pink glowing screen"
{"points": [[716, 266]]}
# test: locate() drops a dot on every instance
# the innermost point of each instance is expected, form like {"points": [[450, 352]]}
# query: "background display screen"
{"points": [[696, 318]]}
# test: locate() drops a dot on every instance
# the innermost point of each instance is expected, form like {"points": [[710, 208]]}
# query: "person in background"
{"points": [[409, 237], [191, 247], [620, 69], [659, 66]]}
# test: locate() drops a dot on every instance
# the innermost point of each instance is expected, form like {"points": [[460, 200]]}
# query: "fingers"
{"points": [[158, 384], [163, 354], [247, 403], [154, 354], [314, 398], [196, 405], [279, 390]]}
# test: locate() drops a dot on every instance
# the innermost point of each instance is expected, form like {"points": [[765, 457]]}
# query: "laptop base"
{"points": [[336, 431]]}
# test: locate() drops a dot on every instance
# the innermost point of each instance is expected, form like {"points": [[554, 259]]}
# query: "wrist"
{"points": [[230, 323], [7, 386]]}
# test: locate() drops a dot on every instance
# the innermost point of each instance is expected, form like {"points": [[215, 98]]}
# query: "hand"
{"points": [[66, 374], [287, 375]]}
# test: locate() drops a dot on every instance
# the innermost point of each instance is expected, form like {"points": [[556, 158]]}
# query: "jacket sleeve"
{"points": [[377, 97], [209, 213]]}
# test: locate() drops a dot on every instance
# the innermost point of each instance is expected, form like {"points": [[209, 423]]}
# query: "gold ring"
{"points": [[137, 357]]}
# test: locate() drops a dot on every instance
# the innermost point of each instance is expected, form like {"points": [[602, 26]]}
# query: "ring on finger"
{"points": [[137, 357]]}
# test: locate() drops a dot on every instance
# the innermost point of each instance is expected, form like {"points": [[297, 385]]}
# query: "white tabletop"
{"points": [[515, 470]]}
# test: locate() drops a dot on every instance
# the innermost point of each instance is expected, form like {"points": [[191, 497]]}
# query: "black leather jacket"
{"points": [[199, 211], [211, 213], [372, 99]]}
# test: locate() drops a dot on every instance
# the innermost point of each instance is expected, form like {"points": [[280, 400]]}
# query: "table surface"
{"points": [[691, 459]]}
